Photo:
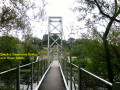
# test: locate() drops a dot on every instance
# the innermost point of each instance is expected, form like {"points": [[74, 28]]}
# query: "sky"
{"points": [[60, 8], [55, 8]]}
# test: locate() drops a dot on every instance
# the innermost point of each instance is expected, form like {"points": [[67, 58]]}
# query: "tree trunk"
{"points": [[108, 60], [107, 52]]}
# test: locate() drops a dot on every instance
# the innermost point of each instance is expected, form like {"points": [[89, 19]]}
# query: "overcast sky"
{"points": [[56, 8], [60, 8]]}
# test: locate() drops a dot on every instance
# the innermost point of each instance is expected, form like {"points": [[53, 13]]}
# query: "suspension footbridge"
{"points": [[56, 72]]}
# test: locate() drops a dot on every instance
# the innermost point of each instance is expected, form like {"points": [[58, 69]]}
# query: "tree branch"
{"points": [[104, 14], [116, 6], [108, 29]]}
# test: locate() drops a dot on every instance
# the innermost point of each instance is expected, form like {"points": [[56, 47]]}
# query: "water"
{"points": [[24, 87]]}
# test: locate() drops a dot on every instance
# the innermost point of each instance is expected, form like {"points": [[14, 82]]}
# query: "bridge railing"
{"points": [[23, 77], [80, 79]]}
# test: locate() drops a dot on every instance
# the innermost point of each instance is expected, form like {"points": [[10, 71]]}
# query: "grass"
{"points": [[44, 53]]}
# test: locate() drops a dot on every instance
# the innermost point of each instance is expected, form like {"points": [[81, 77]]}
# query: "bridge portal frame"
{"points": [[55, 24]]}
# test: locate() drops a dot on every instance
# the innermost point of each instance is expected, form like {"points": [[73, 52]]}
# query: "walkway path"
{"points": [[53, 80]]}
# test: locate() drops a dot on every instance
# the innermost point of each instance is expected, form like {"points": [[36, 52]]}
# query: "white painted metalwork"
{"points": [[40, 82], [55, 28], [67, 88], [99, 78]]}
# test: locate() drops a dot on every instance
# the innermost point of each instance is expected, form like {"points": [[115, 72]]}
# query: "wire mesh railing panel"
{"points": [[64, 68], [8, 80], [24, 77], [75, 77], [79, 79], [89, 82], [35, 72]]}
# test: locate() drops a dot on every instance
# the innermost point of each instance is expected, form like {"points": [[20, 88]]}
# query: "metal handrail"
{"points": [[43, 77], [80, 75], [32, 75], [102, 80], [20, 67], [25, 65], [67, 88], [7, 71], [95, 76], [74, 82]]}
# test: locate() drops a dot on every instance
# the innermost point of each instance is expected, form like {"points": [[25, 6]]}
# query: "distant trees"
{"points": [[33, 40], [37, 42], [14, 17], [71, 40], [45, 39], [9, 44], [108, 16], [54, 36], [31, 45], [91, 56]]}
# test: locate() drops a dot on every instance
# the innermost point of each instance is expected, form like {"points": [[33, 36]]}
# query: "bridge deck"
{"points": [[53, 80]]}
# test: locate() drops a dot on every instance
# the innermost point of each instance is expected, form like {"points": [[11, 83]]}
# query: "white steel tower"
{"points": [[55, 32]]}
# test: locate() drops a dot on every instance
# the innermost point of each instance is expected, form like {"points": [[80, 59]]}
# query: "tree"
{"points": [[45, 39], [71, 40], [109, 12], [8, 45], [88, 57], [36, 41], [54, 36], [14, 15], [31, 45]]}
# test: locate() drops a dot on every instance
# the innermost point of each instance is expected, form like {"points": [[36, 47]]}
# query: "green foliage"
{"points": [[14, 45], [13, 17], [31, 45], [54, 36], [108, 12], [36, 41], [8, 45], [90, 55]]}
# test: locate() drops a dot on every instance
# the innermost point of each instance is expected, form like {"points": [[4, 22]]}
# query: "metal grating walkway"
{"points": [[53, 79]]}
